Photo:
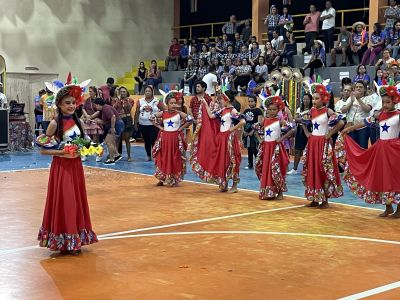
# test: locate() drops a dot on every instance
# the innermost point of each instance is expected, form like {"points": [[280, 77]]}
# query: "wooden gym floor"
{"points": [[193, 242]]}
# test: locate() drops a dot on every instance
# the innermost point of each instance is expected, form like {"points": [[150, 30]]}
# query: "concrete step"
{"points": [[172, 76]]}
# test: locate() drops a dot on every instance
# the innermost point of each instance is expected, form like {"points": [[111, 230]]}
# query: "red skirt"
{"points": [[66, 221], [228, 159], [320, 170], [203, 152], [169, 154], [372, 174], [271, 166]]}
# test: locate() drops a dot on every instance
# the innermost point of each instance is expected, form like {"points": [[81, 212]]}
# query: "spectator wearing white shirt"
{"points": [[328, 25], [277, 41], [211, 80]]}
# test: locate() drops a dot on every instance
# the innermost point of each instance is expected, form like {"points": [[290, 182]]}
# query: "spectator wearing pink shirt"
{"points": [[105, 89], [311, 28]]}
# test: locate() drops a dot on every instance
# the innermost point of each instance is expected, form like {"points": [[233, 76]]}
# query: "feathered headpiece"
{"points": [[178, 95], [71, 88], [275, 99], [389, 90], [320, 87]]}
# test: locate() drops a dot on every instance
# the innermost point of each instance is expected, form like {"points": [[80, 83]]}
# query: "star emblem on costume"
{"points": [[316, 125], [222, 122], [385, 127], [73, 136], [268, 131], [170, 123]]}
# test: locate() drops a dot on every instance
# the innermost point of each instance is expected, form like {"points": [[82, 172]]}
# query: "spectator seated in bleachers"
{"points": [[173, 54]]}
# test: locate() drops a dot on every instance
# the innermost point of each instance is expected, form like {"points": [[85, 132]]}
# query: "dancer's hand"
{"points": [[346, 130], [279, 140], [327, 136]]}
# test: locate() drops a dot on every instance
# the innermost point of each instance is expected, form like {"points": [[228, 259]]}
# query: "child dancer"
{"points": [[66, 222], [372, 174], [227, 158], [252, 115], [320, 169], [169, 150], [272, 159]]}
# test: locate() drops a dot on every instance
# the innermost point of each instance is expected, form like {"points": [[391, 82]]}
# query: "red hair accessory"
{"points": [[276, 100], [321, 90], [76, 92]]}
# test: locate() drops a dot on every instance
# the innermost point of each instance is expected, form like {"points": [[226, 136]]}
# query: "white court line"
{"points": [[241, 189], [14, 250], [199, 221], [372, 292], [19, 170], [344, 237]]}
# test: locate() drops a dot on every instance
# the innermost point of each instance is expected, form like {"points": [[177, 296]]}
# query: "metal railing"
{"points": [[213, 25]]}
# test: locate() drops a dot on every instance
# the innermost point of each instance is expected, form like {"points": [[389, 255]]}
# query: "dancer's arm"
{"points": [[210, 114], [188, 118]]}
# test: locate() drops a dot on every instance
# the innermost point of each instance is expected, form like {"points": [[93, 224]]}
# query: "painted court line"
{"points": [[19, 170], [374, 291], [241, 189], [344, 237], [199, 221]]}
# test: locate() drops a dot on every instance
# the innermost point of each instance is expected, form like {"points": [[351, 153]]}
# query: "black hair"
{"points": [[252, 97], [42, 92], [231, 95], [302, 106], [358, 69], [345, 81], [202, 83], [331, 103], [211, 68], [113, 91], [362, 82], [208, 48], [144, 66], [110, 80], [150, 87], [378, 28], [99, 101]]}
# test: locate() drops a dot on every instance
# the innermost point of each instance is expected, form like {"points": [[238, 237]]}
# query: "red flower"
{"points": [[76, 92], [320, 89], [391, 91]]}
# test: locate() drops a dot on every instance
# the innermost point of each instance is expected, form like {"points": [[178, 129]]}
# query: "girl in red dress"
{"points": [[66, 222], [320, 168], [169, 150], [372, 174], [227, 156], [272, 159]]}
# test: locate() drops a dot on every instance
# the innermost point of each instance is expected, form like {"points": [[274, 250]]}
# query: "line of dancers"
{"points": [[215, 156]]}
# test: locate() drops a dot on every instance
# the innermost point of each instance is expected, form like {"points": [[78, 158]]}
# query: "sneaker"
{"points": [[248, 167], [292, 172], [332, 65], [132, 140], [109, 162], [83, 158], [118, 158], [99, 158]]}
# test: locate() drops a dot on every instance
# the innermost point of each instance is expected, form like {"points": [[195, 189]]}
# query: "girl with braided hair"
{"points": [[66, 222]]}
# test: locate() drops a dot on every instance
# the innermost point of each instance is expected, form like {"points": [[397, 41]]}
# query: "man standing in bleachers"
{"points": [[328, 25], [311, 28]]}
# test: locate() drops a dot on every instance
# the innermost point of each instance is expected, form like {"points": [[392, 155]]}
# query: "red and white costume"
{"points": [[372, 174], [272, 161], [320, 168], [169, 150], [66, 221]]}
